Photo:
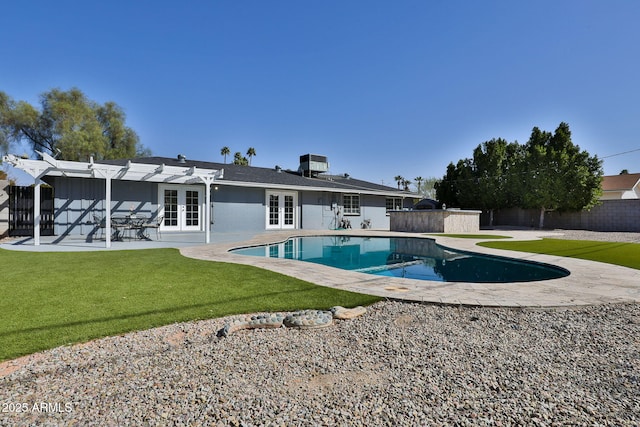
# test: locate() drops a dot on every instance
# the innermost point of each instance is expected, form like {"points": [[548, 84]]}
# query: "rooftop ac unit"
{"points": [[313, 164]]}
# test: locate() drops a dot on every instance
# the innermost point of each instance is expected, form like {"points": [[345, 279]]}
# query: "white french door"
{"points": [[282, 207], [182, 207]]}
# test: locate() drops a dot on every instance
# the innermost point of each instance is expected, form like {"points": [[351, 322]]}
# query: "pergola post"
{"points": [[207, 214], [36, 212], [107, 212], [207, 180]]}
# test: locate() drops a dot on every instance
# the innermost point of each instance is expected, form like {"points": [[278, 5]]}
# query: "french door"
{"points": [[281, 207], [182, 207]]}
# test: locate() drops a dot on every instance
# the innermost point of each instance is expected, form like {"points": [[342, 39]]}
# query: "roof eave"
{"points": [[312, 188]]}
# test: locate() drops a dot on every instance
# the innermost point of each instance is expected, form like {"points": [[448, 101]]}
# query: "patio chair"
{"points": [[119, 226], [138, 226], [100, 224], [155, 224]]}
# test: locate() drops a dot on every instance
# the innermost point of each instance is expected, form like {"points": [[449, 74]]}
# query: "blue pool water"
{"points": [[406, 257]]}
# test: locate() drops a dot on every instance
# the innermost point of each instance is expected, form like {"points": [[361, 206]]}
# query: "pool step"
{"points": [[384, 267]]}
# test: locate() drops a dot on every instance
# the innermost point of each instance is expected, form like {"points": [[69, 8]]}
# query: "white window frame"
{"points": [[349, 208], [396, 202]]}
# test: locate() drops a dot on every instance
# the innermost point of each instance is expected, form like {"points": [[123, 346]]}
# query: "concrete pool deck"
{"points": [[589, 283]]}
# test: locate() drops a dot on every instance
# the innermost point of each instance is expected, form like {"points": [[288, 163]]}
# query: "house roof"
{"points": [[620, 182], [252, 176]]}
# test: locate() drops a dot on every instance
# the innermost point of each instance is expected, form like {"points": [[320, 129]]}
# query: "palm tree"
{"points": [[419, 180], [225, 152], [250, 153], [399, 179], [239, 159]]}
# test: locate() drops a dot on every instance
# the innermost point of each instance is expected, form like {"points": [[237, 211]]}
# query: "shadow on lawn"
{"points": [[151, 313]]}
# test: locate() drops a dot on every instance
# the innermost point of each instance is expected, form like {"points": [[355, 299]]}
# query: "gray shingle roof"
{"points": [[270, 176]]}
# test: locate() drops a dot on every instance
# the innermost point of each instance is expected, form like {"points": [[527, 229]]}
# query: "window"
{"points": [[394, 203], [351, 203]]}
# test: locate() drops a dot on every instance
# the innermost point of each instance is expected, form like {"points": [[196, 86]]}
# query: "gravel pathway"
{"points": [[610, 236], [399, 364]]}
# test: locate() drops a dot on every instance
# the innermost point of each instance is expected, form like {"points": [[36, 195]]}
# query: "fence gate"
{"points": [[21, 211]]}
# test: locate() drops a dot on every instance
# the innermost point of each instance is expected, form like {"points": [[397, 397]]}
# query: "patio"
{"points": [[86, 243]]}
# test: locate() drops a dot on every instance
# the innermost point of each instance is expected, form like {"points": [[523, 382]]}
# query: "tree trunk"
{"points": [[541, 222]]}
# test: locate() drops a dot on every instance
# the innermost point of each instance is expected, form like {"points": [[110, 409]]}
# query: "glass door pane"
{"points": [[274, 209], [288, 210], [171, 208], [192, 209]]}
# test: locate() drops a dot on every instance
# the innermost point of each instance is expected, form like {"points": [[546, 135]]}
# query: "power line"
{"points": [[620, 154]]}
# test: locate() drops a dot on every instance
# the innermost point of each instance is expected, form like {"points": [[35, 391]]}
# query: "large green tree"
{"points": [[549, 172], [493, 168], [557, 174], [70, 126], [5, 136], [456, 188]]}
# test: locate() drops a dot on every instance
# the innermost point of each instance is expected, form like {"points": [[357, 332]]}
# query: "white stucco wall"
{"points": [[436, 221]]}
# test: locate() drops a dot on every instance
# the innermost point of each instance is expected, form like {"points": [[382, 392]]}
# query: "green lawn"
{"points": [[53, 299], [624, 254]]}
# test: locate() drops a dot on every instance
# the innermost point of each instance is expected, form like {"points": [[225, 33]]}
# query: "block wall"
{"points": [[609, 215]]}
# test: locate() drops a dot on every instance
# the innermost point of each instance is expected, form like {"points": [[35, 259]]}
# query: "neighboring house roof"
{"points": [[622, 182], [252, 176]]}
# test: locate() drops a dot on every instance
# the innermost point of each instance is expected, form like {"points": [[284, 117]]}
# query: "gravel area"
{"points": [[609, 236], [398, 364]]}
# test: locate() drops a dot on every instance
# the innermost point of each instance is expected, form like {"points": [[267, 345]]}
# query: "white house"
{"points": [[617, 187]]}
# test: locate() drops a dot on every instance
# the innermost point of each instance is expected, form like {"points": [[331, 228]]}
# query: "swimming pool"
{"points": [[406, 257]]}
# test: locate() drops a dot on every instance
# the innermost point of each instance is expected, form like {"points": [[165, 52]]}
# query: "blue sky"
{"points": [[382, 88]]}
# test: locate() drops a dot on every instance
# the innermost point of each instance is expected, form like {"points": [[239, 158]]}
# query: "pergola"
{"points": [[142, 172]]}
